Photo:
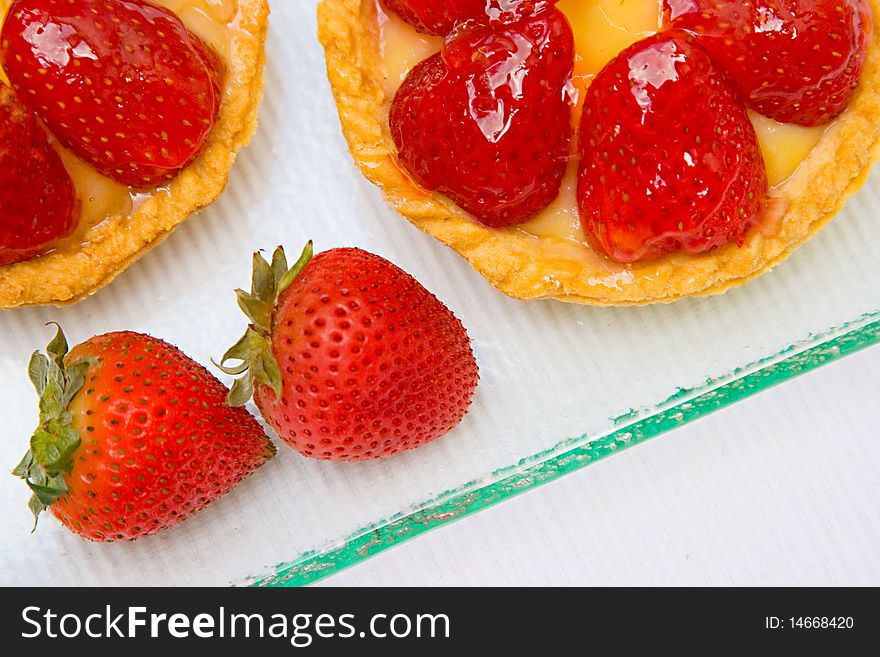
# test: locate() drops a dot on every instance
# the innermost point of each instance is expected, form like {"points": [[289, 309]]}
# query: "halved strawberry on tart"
{"points": [[610, 152], [118, 119]]}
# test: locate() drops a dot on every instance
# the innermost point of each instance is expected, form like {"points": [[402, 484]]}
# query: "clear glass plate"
{"points": [[562, 386]]}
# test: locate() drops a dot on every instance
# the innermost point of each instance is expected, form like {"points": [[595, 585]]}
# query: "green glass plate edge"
{"points": [[571, 455]]}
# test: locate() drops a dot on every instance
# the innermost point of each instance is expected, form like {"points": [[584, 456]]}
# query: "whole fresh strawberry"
{"points": [[487, 121], [797, 61], [348, 357], [440, 16], [669, 158], [37, 200], [134, 437], [121, 83]]}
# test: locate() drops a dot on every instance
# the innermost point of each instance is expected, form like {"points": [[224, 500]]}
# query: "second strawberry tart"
{"points": [[610, 152]]}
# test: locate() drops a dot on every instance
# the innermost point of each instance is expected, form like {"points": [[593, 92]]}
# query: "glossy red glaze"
{"points": [[487, 121], [797, 61], [669, 158], [439, 17], [37, 198], [121, 83]]}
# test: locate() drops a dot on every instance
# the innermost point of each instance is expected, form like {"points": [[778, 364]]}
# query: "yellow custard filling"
{"points": [[101, 197], [602, 29]]}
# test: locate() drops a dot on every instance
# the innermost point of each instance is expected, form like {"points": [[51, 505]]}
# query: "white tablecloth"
{"points": [[781, 489]]}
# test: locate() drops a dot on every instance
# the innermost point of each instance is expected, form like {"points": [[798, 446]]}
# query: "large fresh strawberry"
{"points": [[669, 158], [37, 200], [440, 16], [348, 357], [121, 83], [487, 121], [134, 437], [797, 61]]}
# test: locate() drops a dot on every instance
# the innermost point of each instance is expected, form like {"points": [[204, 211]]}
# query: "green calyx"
{"points": [[54, 442], [254, 349]]}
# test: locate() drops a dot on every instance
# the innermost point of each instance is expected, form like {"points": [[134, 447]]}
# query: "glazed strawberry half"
{"points": [[797, 61], [348, 357], [134, 437], [37, 200], [121, 83], [486, 122], [433, 17], [669, 158]]}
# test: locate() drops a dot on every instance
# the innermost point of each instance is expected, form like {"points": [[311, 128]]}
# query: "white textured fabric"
{"points": [[779, 490]]}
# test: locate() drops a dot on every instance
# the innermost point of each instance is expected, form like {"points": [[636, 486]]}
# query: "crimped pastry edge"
{"points": [[527, 267], [68, 276]]}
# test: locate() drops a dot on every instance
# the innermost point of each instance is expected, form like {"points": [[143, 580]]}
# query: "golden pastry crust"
{"points": [[528, 267], [67, 276]]}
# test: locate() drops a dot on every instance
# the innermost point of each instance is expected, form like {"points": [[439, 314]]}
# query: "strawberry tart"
{"points": [[610, 152], [118, 120]]}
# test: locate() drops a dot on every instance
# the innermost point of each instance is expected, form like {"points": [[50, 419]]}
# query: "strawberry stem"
{"points": [[54, 441], [254, 348]]}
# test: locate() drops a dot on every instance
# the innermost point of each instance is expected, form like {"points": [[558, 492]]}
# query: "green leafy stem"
{"points": [[254, 349], [54, 442]]}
